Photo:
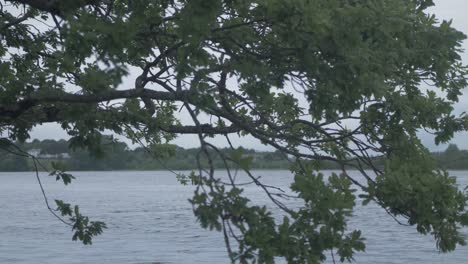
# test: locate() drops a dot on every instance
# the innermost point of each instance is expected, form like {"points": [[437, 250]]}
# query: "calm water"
{"points": [[150, 221]]}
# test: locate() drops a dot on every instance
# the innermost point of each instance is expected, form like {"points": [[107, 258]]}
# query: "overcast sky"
{"points": [[444, 9]]}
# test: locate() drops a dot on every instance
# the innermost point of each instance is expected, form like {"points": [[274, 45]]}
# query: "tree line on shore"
{"points": [[118, 156]]}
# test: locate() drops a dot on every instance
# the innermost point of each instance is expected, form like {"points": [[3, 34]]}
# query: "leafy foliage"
{"points": [[84, 230], [60, 174], [319, 80]]}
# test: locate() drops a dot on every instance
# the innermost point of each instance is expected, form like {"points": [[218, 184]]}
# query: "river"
{"points": [[150, 221]]}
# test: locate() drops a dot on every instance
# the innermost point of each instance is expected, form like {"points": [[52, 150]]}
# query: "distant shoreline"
{"points": [[119, 157]]}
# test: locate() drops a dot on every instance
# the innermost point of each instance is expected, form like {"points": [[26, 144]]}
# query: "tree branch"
{"points": [[17, 21], [32, 100], [56, 7]]}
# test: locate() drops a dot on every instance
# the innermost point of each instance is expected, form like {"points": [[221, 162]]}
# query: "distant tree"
{"points": [[452, 158], [452, 149], [54, 147], [321, 81]]}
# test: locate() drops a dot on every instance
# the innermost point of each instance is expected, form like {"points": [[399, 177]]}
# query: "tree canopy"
{"points": [[318, 80]]}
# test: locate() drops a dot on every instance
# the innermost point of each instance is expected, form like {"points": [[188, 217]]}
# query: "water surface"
{"points": [[150, 221]]}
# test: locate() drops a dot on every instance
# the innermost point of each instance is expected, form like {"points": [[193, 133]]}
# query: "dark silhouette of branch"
{"points": [[56, 7], [17, 21]]}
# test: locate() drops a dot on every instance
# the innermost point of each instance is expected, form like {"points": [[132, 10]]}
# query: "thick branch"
{"points": [[17, 21], [108, 96], [27, 103], [204, 128], [57, 7], [49, 114]]}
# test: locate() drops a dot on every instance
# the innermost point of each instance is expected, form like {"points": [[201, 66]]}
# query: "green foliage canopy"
{"points": [[319, 80]]}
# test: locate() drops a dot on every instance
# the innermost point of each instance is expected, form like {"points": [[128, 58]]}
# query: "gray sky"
{"points": [[444, 9]]}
